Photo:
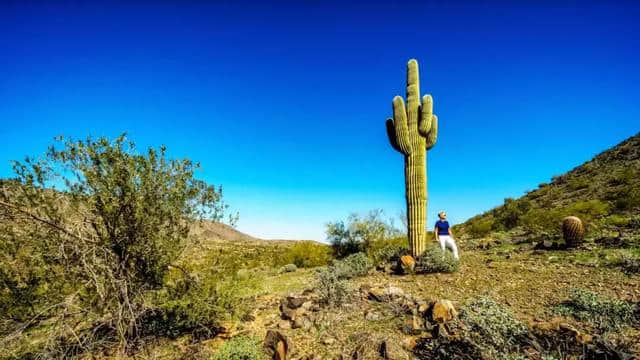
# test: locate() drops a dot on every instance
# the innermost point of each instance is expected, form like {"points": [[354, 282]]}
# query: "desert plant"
{"points": [[305, 254], [605, 313], [241, 348], [352, 266], [358, 233], [434, 260], [388, 250], [116, 226], [331, 286], [288, 268], [572, 231], [492, 325], [412, 131]]}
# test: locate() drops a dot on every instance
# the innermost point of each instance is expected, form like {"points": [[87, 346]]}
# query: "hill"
{"points": [[604, 192]]}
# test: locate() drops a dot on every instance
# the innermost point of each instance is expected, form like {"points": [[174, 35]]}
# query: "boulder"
{"points": [[407, 264], [277, 345], [392, 350], [443, 311], [414, 325], [295, 302], [302, 322]]}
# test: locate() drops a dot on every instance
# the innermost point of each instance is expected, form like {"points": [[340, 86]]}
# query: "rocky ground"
{"points": [[392, 316]]}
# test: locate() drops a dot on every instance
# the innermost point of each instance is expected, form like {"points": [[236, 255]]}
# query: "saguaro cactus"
{"points": [[412, 131]]}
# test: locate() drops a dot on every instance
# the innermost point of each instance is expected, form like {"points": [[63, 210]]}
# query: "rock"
{"points": [[407, 263], [276, 345], [295, 302], [307, 305], [413, 325], [328, 341], [409, 343], [443, 311], [422, 307], [284, 324], [376, 294], [393, 292], [391, 350], [302, 322], [290, 313], [367, 348], [385, 294], [372, 316]]}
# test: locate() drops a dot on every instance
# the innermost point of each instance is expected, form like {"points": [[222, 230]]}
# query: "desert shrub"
{"points": [[606, 314], [288, 268], [630, 264], [492, 325], [331, 282], [305, 254], [352, 266], [388, 250], [485, 330], [241, 348], [331, 287], [508, 216], [578, 184], [588, 209], [627, 198], [196, 305], [622, 177], [481, 227], [358, 233], [116, 226], [434, 260]]}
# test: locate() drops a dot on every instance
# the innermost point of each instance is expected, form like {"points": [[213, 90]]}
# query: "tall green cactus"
{"points": [[412, 131]]}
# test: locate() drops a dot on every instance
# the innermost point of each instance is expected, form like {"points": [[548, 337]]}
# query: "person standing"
{"points": [[444, 235]]}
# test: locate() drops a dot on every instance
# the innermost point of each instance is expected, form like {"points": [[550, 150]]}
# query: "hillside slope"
{"points": [[604, 192]]}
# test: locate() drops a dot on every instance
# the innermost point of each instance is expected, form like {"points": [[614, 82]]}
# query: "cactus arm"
{"points": [[426, 113], [400, 122], [391, 134], [413, 95], [433, 133]]}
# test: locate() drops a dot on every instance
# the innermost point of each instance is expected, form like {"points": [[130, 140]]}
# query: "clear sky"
{"points": [[284, 105]]}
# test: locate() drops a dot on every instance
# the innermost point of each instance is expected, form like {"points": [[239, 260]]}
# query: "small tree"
{"points": [[113, 220], [358, 233]]}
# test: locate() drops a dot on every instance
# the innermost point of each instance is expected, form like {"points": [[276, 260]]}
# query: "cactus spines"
{"points": [[572, 231], [412, 131]]}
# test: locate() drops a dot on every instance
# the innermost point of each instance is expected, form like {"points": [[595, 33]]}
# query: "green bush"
{"points": [[492, 325], [388, 250], [332, 289], [481, 227], [484, 330], [241, 348], [196, 305], [358, 233], [119, 224], [606, 314], [306, 254], [352, 266], [578, 184], [630, 264], [434, 260]]}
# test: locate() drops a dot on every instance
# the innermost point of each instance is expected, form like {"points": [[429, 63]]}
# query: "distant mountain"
{"points": [[604, 192]]}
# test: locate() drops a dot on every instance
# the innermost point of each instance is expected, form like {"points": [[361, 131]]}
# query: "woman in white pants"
{"points": [[444, 235]]}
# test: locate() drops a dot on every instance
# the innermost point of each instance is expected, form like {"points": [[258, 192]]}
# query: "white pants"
{"points": [[447, 241]]}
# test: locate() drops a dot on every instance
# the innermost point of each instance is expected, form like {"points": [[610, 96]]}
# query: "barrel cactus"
{"points": [[412, 131], [573, 231]]}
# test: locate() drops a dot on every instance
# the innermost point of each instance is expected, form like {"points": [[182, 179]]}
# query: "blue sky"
{"points": [[284, 105]]}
